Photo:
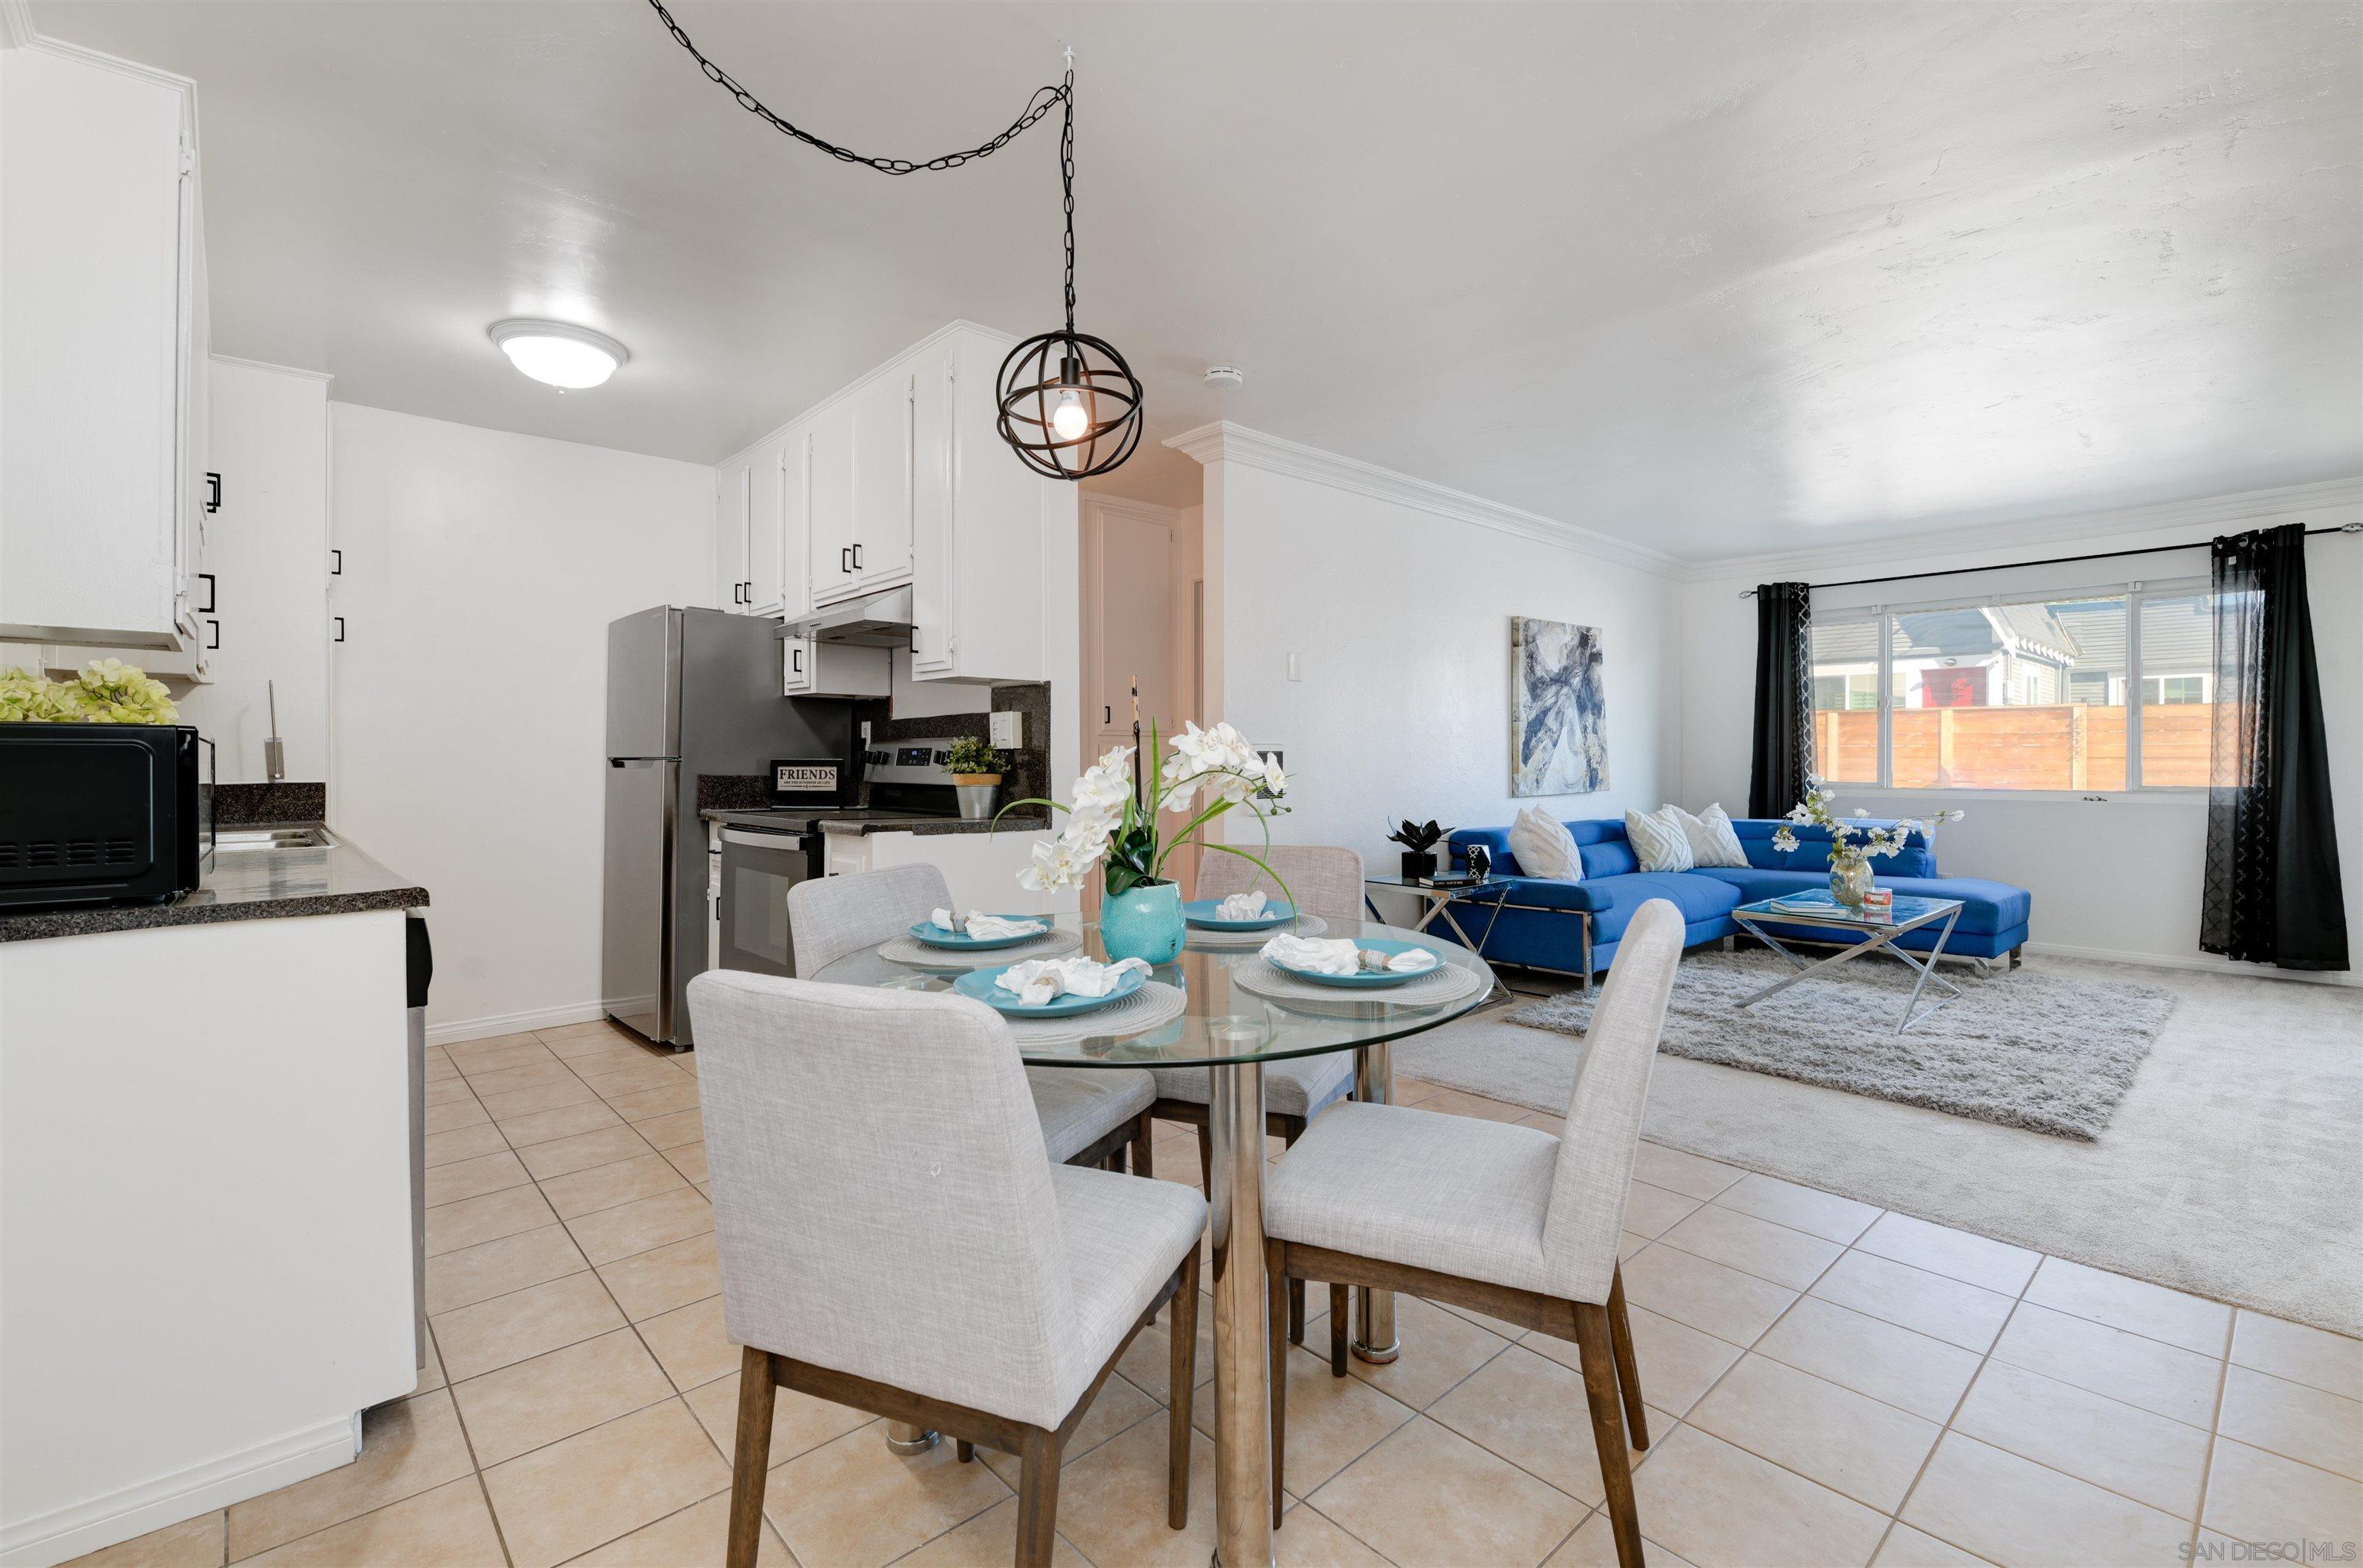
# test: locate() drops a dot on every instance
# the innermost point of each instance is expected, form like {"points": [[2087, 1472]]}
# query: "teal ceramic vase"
{"points": [[1144, 923]]}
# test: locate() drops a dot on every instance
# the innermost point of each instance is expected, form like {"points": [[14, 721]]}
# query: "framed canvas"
{"points": [[1558, 709]]}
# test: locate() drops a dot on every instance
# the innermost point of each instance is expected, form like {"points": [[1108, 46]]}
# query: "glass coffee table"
{"points": [[1817, 910]]}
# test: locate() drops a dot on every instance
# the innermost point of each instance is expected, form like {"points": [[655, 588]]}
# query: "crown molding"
{"points": [[98, 58], [1224, 442], [1124, 506], [1967, 539], [275, 370], [17, 24]]}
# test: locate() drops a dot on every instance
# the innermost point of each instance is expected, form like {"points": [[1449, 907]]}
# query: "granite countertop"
{"points": [[1017, 822], [242, 884]]}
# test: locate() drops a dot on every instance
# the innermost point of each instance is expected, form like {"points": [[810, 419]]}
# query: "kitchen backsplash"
{"points": [[1028, 777]]}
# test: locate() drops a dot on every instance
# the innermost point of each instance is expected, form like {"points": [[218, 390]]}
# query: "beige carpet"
{"points": [[2230, 1170]]}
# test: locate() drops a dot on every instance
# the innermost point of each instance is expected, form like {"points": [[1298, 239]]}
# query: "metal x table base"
{"points": [[1880, 941]]}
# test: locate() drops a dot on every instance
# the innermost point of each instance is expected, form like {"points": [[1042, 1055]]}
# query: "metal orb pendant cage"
{"points": [[1069, 406]]}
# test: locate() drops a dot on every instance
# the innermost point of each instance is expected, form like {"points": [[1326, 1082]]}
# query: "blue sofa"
{"points": [[1574, 927]]}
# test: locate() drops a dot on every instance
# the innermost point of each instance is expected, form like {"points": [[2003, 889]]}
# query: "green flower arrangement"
{"points": [[107, 691]]}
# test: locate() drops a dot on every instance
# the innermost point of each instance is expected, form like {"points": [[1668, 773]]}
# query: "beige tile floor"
{"points": [[1828, 1383]]}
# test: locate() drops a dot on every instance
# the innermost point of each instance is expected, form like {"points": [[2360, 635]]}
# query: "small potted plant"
{"points": [[1419, 848], [976, 769]]}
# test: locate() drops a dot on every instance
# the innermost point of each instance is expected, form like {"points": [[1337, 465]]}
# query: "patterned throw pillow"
{"points": [[1658, 840], [1544, 846], [1712, 842]]}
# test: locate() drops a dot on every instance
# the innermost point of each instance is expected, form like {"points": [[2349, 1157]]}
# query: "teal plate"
{"points": [[1376, 980], [1200, 912], [979, 985], [934, 936]]}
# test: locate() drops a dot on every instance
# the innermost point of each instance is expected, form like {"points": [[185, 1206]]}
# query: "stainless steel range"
{"points": [[758, 856]]}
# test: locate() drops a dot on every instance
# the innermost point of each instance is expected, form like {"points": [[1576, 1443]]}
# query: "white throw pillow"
{"points": [[1658, 840], [1712, 842], [1544, 846]]}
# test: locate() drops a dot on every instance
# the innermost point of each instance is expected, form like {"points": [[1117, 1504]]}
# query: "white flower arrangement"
{"points": [[1876, 841], [1114, 817]]}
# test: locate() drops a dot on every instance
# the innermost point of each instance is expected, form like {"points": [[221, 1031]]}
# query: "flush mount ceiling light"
{"points": [[566, 357], [1069, 406]]}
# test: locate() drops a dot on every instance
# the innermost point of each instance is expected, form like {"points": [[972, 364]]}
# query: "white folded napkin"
{"points": [[1242, 906], [985, 927], [1037, 980], [1340, 956]]}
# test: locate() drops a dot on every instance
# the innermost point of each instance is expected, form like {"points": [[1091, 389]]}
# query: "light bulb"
{"points": [[558, 353], [1070, 418]]}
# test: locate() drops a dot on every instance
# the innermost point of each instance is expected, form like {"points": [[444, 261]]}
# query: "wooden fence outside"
{"points": [[2061, 747]]}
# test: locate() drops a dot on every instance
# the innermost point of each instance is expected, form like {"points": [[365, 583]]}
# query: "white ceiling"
{"points": [[1718, 279]]}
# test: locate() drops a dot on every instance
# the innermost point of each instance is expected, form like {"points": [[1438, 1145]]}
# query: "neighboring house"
{"points": [[2024, 655]]}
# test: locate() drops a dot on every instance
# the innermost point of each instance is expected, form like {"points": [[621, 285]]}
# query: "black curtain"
{"points": [[1784, 753], [2272, 891]]}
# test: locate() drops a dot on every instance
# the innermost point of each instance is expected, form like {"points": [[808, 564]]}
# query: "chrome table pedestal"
{"points": [[904, 1438], [1242, 1351], [1374, 1310]]}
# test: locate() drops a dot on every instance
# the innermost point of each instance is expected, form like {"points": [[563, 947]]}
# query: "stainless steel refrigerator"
{"points": [[689, 693]]}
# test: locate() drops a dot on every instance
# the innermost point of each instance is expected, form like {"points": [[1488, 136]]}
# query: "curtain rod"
{"points": [[2056, 560]]}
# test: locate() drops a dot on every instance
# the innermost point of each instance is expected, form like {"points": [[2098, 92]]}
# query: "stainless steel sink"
{"points": [[272, 838]]}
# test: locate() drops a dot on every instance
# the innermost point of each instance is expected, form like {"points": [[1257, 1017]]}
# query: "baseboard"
{"points": [[69, 1532], [483, 1027], [2204, 963]]}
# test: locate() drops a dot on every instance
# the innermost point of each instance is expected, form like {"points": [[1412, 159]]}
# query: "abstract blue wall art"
{"points": [[1558, 709]]}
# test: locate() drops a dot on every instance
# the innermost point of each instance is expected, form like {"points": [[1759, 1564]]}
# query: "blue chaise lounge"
{"points": [[1573, 927]]}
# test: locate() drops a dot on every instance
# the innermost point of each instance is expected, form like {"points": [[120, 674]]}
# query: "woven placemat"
{"points": [[1203, 937], [912, 951], [1154, 1005], [1446, 983]]}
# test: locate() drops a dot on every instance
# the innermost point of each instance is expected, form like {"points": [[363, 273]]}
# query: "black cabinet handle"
{"points": [[337, 569], [211, 588], [845, 560], [1107, 715], [340, 628], [796, 660], [212, 492], [857, 557], [212, 629], [737, 589]]}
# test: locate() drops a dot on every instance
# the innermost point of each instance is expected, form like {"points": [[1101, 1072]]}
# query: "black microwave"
{"points": [[98, 815]]}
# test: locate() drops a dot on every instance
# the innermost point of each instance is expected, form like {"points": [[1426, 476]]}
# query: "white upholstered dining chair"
{"points": [[1328, 882], [1507, 1220], [894, 1235], [1090, 1115]]}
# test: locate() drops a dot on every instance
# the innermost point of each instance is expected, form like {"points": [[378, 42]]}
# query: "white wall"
{"points": [[2118, 877], [1401, 619], [480, 572]]}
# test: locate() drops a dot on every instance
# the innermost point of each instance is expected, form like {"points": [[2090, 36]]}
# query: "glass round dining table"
{"points": [[1232, 1032]]}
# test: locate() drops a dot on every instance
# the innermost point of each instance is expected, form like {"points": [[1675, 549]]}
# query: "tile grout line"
{"points": [[2214, 1430]]}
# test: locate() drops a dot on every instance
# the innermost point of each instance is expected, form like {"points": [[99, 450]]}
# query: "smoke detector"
{"points": [[1225, 376]]}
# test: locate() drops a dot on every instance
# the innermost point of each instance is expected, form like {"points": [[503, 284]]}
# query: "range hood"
{"points": [[875, 620]]}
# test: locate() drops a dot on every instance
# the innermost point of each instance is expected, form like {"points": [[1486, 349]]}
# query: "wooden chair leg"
{"points": [[1205, 1163], [1591, 1336], [1275, 1255], [1340, 1326], [1291, 1130], [752, 1457], [1143, 1132], [1037, 1498], [1182, 1373], [965, 1450], [1628, 1370]]}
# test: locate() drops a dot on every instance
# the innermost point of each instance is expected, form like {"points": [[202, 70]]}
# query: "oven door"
{"points": [[757, 869]]}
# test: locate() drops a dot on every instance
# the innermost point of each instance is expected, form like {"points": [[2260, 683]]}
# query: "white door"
{"points": [[882, 480], [765, 516], [731, 503], [829, 487]]}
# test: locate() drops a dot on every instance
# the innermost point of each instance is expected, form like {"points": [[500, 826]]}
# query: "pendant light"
{"points": [[1069, 406]]}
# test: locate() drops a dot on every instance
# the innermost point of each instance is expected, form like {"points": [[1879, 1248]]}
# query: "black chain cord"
{"points": [[1036, 107]]}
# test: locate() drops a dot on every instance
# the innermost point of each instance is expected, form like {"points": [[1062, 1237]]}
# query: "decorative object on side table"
{"points": [[1115, 817], [1850, 860], [1558, 709], [1419, 846], [976, 769]]}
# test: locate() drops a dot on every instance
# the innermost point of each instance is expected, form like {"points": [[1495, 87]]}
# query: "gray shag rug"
{"points": [[2020, 1048]]}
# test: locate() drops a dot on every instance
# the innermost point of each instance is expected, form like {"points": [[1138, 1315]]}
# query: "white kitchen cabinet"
{"points": [[882, 479], [793, 460], [766, 525], [808, 668], [828, 552], [264, 590], [102, 386], [733, 502]]}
